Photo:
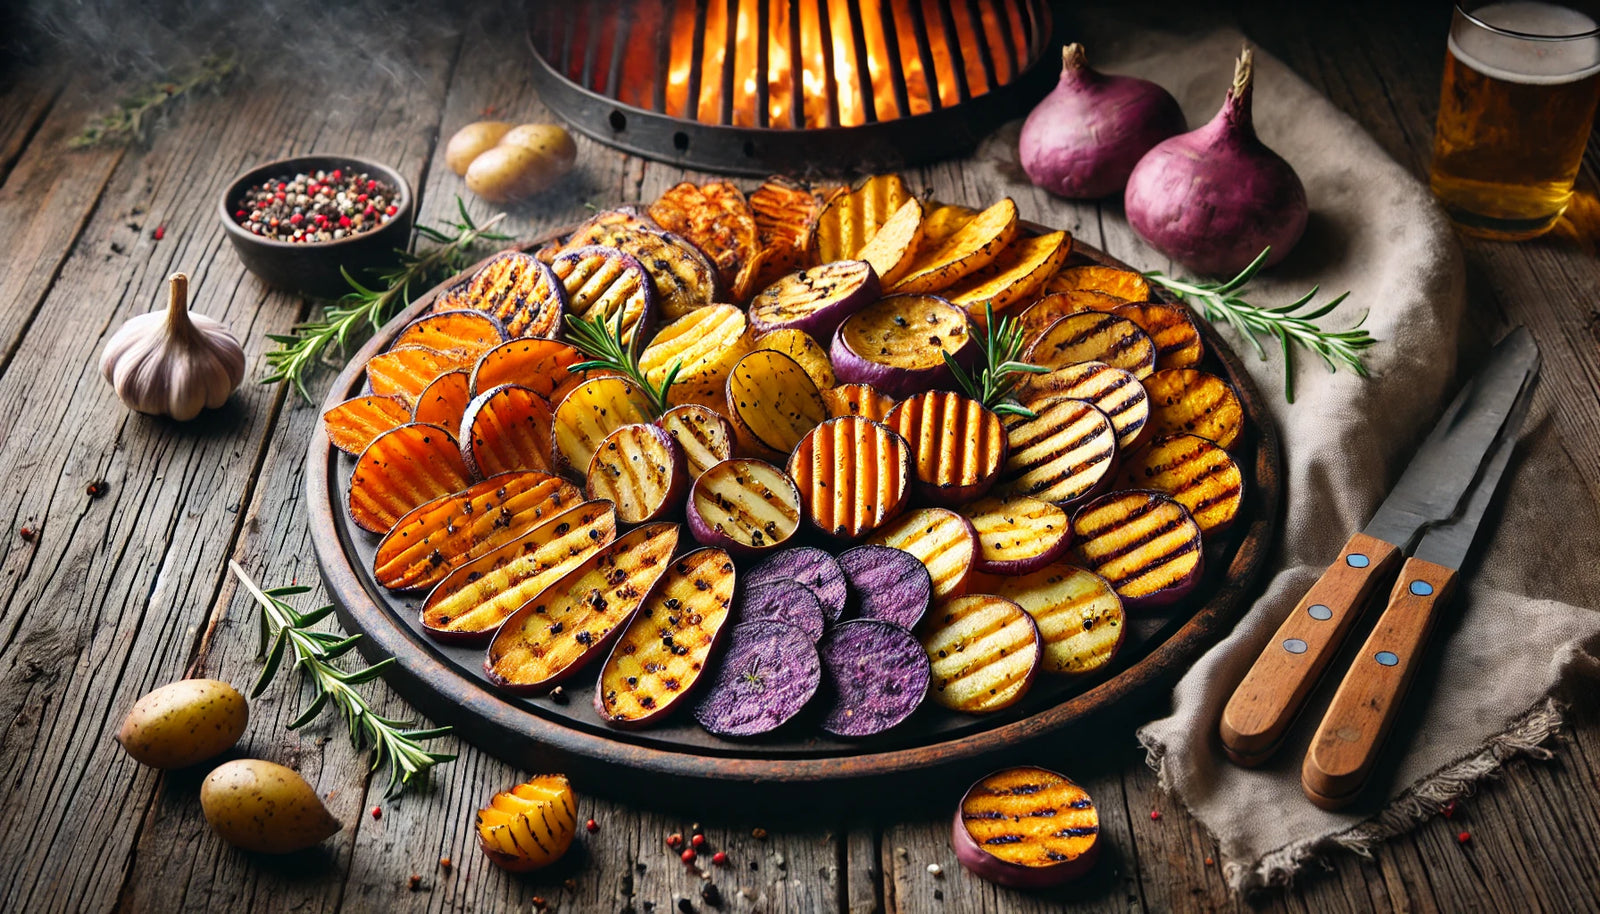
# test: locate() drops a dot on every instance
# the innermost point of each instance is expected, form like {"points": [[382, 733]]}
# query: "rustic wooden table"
{"points": [[122, 593]]}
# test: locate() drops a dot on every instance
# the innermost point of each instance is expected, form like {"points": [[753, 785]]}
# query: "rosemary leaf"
{"points": [[126, 123], [603, 343], [1002, 344]]}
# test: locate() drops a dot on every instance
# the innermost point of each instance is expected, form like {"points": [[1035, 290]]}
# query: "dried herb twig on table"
{"points": [[1002, 350], [394, 743], [126, 123], [299, 352]]}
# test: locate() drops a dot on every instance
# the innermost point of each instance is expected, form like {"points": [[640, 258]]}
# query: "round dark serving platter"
{"points": [[798, 766]]}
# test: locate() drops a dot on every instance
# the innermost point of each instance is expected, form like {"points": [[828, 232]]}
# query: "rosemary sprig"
{"points": [[603, 344], [1002, 347], [393, 742], [126, 123], [298, 352], [1224, 302]]}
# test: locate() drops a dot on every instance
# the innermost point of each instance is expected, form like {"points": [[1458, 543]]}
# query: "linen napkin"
{"points": [[1517, 636]]}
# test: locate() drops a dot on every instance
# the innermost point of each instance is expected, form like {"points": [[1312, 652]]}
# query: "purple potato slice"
{"points": [[783, 601], [877, 674], [817, 570], [889, 585], [768, 675]]}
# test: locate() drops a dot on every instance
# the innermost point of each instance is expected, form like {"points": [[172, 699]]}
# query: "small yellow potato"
{"points": [[184, 723], [472, 141], [264, 807], [527, 160], [529, 826]]}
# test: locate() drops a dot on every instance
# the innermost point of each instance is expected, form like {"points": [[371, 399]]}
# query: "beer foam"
{"points": [[1526, 61]]}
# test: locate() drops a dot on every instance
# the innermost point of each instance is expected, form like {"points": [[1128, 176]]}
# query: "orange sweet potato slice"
{"points": [[353, 424], [444, 401], [958, 446], [1176, 337], [1095, 336], [1124, 284], [506, 428], [539, 365], [453, 331], [402, 469], [862, 400], [1014, 277], [406, 371], [718, 219], [973, 247], [785, 212], [1037, 317], [1196, 473], [1186, 401], [853, 474], [851, 218]]}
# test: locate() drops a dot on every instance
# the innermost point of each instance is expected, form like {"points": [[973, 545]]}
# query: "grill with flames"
{"points": [[754, 86]]}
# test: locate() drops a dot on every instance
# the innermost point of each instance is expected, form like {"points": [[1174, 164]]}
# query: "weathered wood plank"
{"points": [[26, 94]]}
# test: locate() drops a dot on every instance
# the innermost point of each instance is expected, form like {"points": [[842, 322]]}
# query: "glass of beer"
{"points": [[1521, 79]]}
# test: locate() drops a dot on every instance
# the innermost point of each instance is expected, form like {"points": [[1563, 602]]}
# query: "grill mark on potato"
{"points": [[1140, 542], [702, 433], [955, 441], [747, 500], [1176, 338], [1011, 529], [941, 540], [851, 504], [1115, 392], [1030, 816], [708, 340], [1185, 400], [983, 649], [1055, 456], [857, 400]]}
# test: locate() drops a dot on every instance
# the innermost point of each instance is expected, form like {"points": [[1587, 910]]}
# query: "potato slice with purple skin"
{"points": [[1177, 339], [973, 247], [453, 331], [1018, 534], [406, 371], [1080, 618], [662, 655], [539, 365], [708, 342], [942, 540], [957, 445], [1186, 401], [773, 404], [597, 226], [985, 652], [682, 277], [401, 469], [853, 474], [472, 600], [1094, 336], [815, 300], [1014, 277], [898, 344], [1027, 828], [641, 470], [806, 351], [788, 602], [887, 584], [570, 624], [1200, 475], [704, 434], [862, 400], [589, 413], [1124, 284], [818, 571], [505, 429], [875, 675], [745, 506], [1061, 455], [768, 675], [1143, 543], [850, 219], [1115, 392], [520, 292], [445, 401], [353, 424], [1037, 317], [893, 247], [448, 532], [601, 282]]}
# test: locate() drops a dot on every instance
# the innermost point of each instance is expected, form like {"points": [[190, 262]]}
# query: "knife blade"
{"points": [[1275, 689]]}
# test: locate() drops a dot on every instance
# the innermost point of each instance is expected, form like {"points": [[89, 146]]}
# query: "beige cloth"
{"points": [[1516, 635]]}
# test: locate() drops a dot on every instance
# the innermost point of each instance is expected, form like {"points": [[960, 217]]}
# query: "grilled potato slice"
{"points": [[957, 445], [1040, 828], [597, 227], [1038, 317], [1062, 454], [899, 344], [449, 531], [1195, 472], [1080, 618], [1094, 336], [406, 371], [471, 332], [892, 249], [1176, 337], [1143, 543], [661, 655], [745, 506], [520, 292], [590, 413], [444, 401], [853, 475], [1187, 401], [401, 469], [718, 219], [816, 299], [1124, 284], [473, 599], [702, 433], [850, 219], [353, 424], [708, 342], [561, 630], [504, 429], [1018, 534], [529, 826], [786, 213], [600, 282], [806, 351], [970, 249], [681, 277], [862, 400], [773, 403], [941, 540], [1013, 277], [1115, 392], [539, 365], [944, 220], [985, 652], [641, 470]]}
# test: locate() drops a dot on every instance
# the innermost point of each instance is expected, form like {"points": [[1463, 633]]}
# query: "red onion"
{"points": [[1211, 199], [1089, 132]]}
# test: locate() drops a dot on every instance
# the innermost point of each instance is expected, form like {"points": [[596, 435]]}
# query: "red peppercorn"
{"points": [[538, 901], [1448, 810], [688, 855], [282, 186], [27, 534], [698, 840], [414, 883], [719, 858], [445, 864], [238, 214], [1464, 837], [344, 221], [338, 174], [370, 211], [372, 185], [392, 210], [296, 219], [1155, 815], [674, 839], [377, 812], [97, 489], [592, 825], [159, 233], [361, 198]]}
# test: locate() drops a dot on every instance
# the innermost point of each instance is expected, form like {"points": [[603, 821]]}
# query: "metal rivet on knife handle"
{"points": [[1273, 692]]}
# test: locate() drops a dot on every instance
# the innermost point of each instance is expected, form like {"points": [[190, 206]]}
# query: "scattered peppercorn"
{"points": [[1464, 837], [685, 906], [27, 534], [415, 882], [719, 858], [674, 839], [592, 825], [316, 206], [1155, 815], [538, 901], [98, 488], [558, 695], [710, 894], [688, 855], [445, 864], [1448, 810], [159, 233], [377, 812], [698, 840], [938, 895], [760, 834], [1209, 861]]}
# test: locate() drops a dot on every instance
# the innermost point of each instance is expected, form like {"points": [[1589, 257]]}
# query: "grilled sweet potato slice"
{"points": [[1080, 618], [1094, 336], [401, 469], [600, 282], [862, 400], [406, 371], [985, 652], [850, 219], [1038, 317], [942, 540], [1124, 284], [805, 350], [1018, 534], [773, 403], [568, 625], [597, 227], [944, 220], [703, 433], [472, 600], [471, 332], [786, 213], [745, 506], [1143, 543], [682, 278], [853, 475], [354, 423], [444, 401], [1062, 454], [520, 292], [1115, 392], [589, 413], [641, 470], [1176, 337], [506, 428], [973, 247], [706, 344], [718, 219], [539, 365], [957, 445], [1013, 277], [893, 247], [660, 657], [454, 529], [1187, 401], [1200, 475], [899, 344], [1040, 828]]}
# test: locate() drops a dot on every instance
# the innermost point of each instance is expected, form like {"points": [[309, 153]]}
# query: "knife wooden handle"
{"points": [[1352, 732], [1273, 692]]}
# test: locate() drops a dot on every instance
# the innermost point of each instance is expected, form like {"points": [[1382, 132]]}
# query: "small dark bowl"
{"points": [[312, 268]]}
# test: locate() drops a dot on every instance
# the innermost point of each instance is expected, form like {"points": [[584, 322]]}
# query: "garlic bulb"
{"points": [[174, 363]]}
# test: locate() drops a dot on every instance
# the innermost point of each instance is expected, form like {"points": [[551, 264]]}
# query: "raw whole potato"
{"points": [[472, 141], [527, 160], [184, 723], [264, 807]]}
